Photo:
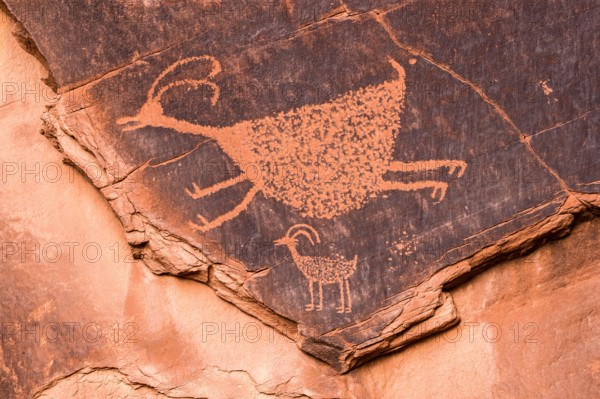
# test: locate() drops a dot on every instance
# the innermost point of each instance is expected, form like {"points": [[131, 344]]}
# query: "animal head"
{"points": [[151, 113], [299, 230]]}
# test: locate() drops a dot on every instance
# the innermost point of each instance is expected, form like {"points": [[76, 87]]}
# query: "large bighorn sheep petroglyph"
{"points": [[352, 137]]}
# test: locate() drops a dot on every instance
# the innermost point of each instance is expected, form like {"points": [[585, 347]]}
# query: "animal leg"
{"points": [[349, 303], [438, 187], [320, 305], [418, 166], [203, 192], [311, 305], [239, 208], [340, 309]]}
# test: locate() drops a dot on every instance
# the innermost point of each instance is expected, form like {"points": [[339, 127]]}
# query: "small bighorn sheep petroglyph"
{"points": [[352, 137], [320, 269]]}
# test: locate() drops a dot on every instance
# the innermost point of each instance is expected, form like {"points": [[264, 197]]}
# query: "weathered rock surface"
{"points": [[410, 147]]}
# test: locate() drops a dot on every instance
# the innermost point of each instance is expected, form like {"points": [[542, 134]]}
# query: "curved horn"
{"points": [[305, 234], [216, 68], [307, 227], [195, 83]]}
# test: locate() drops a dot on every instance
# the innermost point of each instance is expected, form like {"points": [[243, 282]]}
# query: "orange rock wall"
{"points": [[80, 318]]}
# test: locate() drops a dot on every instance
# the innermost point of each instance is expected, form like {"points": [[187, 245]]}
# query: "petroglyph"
{"points": [[320, 269], [339, 151]]}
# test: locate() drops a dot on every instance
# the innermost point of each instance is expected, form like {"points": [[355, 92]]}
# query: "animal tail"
{"points": [[399, 69], [399, 85]]}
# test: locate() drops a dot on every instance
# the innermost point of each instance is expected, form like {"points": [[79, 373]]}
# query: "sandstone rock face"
{"points": [[164, 125], [329, 190]]}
